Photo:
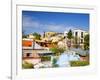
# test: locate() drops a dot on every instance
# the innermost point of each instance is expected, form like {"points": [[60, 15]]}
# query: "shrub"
{"points": [[45, 58], [27, 65], [79, 63], [54, 62], [57, 50]]}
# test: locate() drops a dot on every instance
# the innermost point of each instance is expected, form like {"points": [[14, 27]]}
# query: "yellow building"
{"points": [[50, 34]]}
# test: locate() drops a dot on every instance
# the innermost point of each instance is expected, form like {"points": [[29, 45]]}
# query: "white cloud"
{"points": [[29, 22], [55, 27]]}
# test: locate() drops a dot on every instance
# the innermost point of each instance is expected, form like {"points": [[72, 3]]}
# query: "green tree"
{"points": [[23, 34], [37, 36], [86, 42], [69, 36], [54, 50]]}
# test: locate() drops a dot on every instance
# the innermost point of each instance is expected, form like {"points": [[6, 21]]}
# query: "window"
{"points": [[76, 33], [81, 40], [28, 54], [81, 34]]}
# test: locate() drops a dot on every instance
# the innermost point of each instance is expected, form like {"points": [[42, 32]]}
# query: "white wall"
{"points": [[5, 34]]}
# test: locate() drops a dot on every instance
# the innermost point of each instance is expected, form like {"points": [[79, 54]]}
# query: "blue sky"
{"points": [[33, 21]]}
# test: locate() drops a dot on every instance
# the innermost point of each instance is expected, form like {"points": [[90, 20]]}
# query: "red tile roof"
{"points": [[26, 43]]}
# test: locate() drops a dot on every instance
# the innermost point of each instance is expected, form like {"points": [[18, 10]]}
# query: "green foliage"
{"points": [[79, 63], [61, 50], [27, 65], [54, 50], [86, 42], [24, 36], [37, 36], [69, 34], [57, 50], [45, 58], [54, 62]]}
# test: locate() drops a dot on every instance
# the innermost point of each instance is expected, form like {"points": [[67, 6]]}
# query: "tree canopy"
{"points": [[86, 42], [69, 34], [37, 35]]}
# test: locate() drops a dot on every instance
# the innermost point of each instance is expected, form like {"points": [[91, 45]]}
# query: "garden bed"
{"points": [[79, 63]]}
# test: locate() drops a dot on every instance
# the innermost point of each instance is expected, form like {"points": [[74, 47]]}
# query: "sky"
{"points": [[40, 22]]}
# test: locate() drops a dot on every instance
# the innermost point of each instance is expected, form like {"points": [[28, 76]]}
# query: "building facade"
{"points": [[78, 37]]}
